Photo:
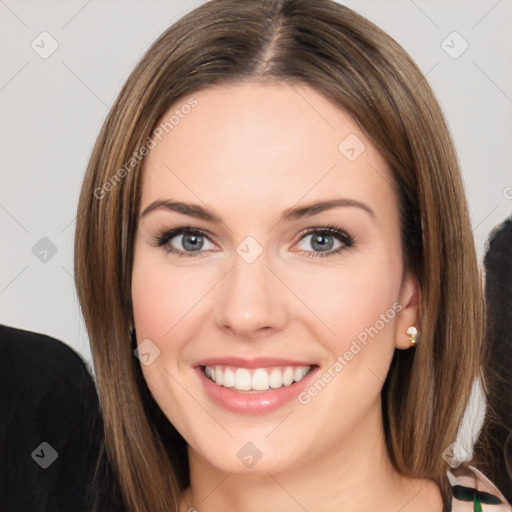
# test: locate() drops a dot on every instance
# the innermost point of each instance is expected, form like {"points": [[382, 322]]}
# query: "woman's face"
{"points": [[268, 325]]}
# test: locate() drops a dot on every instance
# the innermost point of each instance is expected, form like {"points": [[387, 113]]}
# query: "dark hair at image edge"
{"points": [[493, 449], [361, 70]]}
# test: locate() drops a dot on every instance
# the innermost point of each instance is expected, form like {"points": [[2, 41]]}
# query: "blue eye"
{"points": [[323, 238], [193, 239]]}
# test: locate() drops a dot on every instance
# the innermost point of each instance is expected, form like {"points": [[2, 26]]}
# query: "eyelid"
{"points": [[163, 238], [330, 230]]}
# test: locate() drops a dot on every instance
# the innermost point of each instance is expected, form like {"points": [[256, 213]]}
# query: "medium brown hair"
{"points": [[366, 73]]}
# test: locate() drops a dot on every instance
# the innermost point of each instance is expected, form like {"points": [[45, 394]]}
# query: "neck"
{"points": [[356, 474]]}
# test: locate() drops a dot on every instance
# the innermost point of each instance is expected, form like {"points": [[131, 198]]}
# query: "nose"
{"points": [[250, 302]]}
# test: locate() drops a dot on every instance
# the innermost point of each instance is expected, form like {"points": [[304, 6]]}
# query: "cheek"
{"points": [[360, 307], [359, 304], [161, 297], [356, 301], [364, 303], [150, 303], [158, 306], [160, 301]]}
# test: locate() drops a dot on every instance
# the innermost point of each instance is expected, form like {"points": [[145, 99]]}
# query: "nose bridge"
{"points": [[250, 298]]}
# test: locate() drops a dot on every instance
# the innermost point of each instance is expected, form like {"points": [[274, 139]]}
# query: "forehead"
{"points": [[258, 145]]}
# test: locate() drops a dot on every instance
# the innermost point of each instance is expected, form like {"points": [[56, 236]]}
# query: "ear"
{"points": [[409, 314]]}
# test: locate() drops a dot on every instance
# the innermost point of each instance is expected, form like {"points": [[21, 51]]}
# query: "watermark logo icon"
{"points": [[44, 250], [454, 45], [44, 45], [249, 249], [45, 455], [147, 352], [249, 455], [351, 147]]}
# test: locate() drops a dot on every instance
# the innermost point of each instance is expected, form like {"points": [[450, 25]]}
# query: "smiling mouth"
{"points": [[255, 380]]}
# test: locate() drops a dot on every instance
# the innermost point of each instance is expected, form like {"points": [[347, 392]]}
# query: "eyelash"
{"points": [[163, 239]]}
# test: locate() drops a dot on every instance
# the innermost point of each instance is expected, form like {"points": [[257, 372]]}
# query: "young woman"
{"points": [[276, 268]]}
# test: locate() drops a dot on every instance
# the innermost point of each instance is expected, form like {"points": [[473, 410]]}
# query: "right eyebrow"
{"points": [[193, 210]]}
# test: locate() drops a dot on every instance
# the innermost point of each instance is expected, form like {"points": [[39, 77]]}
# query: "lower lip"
{"points": [[261, 402]]}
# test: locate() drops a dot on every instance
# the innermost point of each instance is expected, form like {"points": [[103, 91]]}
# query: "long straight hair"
{"points": [[362, 70]]}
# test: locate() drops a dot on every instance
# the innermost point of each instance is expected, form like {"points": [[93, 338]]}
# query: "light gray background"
{"points": [[52, 110]]}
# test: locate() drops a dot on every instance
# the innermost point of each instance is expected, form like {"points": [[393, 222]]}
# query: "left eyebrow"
{"points": [[309, 210], [288, 215]]}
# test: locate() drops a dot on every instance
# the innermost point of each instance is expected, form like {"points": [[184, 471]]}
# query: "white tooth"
{"points": [[242, 380], [218, 376], [229, 379], [208, 371], [300, 373], [276, 378], [260, 380], [288, 376]]}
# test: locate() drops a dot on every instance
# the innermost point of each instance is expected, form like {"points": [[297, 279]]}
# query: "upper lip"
{"points": [[257, 362]]}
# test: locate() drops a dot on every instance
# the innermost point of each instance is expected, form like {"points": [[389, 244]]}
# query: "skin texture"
{"points": [[250, 151]]}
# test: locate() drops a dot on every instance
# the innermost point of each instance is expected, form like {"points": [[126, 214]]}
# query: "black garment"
{"points": [[47, 396]]}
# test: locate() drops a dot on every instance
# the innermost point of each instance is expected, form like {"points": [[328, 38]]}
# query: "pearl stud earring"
{"points": [[412, 332]]}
